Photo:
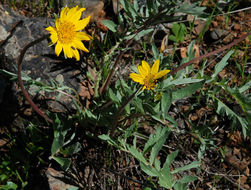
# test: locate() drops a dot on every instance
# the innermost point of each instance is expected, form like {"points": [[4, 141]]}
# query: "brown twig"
{"points": [[19, 64], [210, 54], [10, 33]]}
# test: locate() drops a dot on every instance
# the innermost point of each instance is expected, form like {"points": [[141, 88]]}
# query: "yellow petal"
{"points": [[68, 51], [76, 54], [142, 71], [51, 29], [57, 24], [58, 48], [146, 66], [72, 12], [161, 74], [80, 25], [79, 45], [155, 67], [63, 13], [54, 38], [77, 14], [137, 78], [83, 36]]}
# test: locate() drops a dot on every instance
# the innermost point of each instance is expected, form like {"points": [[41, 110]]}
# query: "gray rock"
{"points": [[40, 60]]}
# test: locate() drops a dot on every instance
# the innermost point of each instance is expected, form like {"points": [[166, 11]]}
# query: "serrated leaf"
{"points": [[149, 170], [169, 160], [186, 91], [110, 25], [138, 155], [153, 138], [224, 109], [166, 179]]}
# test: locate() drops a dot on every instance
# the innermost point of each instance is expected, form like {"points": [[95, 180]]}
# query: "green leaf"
{"points": [[129, 9], [139, 35], [186, 91], [180, 186], [155, 51], [109, 140], [166, 101], [137, 102], [113, 97], [224, 109], [149, 170], [187, 167], [169, 160], [179, 31], [188, 179], [156, 148], [157, 164], [9, 186], [58, 142], [110, 25], [223, 63], [72, 188], [180, 81], [166, 179], [138, 155], [245, 87], [72, 149], [64, 162], [190, 9], [153, 138]]}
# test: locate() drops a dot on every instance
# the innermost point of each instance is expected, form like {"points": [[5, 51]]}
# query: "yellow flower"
{"points": [[148, 76], [66, 32]]}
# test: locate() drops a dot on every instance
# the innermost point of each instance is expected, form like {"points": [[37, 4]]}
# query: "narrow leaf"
{"points": [[110, 25]]}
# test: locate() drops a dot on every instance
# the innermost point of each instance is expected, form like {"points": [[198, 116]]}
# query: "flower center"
{"points": [[149, 82], [66, 32]]}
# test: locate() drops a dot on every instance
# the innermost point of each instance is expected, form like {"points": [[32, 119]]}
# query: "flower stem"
{"points": [[19, 64], [122, 107]]}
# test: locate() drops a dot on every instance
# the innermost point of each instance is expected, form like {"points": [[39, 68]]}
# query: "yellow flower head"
{"points": [[66, 32], [148, 76]]}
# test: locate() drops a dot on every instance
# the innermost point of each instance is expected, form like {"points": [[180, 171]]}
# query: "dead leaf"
{"points": [[200, 26], [164, 44], [183, 52]]}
